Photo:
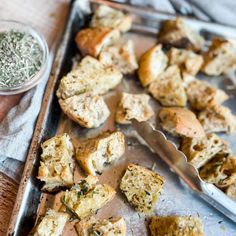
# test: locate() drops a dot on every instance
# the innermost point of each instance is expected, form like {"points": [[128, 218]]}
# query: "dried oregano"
{"points": [[21, 57]]}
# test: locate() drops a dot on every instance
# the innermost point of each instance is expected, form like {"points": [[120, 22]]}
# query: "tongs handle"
{"points": [[219, 200]]}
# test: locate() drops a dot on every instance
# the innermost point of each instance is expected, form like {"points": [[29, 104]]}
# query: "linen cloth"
{"points": [[17, 128]]}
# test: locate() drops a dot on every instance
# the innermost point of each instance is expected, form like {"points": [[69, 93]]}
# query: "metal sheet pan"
{"points": [[175, 198]]}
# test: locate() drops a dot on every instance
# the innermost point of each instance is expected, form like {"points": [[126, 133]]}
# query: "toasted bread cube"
{"points": [[176, 225], [90, 76], [231, 191], [52, 224], [121, 55], [94, 154], [220, 58], [105, 16], [141, 187], [221, 170], [178, 34], [187, 78], [187, 60], [180, 122], [56, 166], [168, 88], [151, 64], [87, 110], [217, 119], [200, 151], [202, 95], [85, 200], [105, 227], [133, 106], [91, 41]]}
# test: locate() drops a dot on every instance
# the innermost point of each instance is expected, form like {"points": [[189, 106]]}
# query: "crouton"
{"points": [[105, 16], [181, 122], [168, 88], [56, 165], [151, 64], [91, 41], [200, 151], [133, 106], [176, 225], [87, 110], [94, 154], [217, 119], [178, 33], [141, 187]]}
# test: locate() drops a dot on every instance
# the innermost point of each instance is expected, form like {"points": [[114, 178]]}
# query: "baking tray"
{"points": [[176, 198]]}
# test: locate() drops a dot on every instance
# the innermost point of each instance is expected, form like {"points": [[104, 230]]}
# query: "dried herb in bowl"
{"points": [[21, 57]]}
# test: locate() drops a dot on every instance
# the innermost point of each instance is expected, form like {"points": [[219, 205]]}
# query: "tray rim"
{"points": [[48, 94]]}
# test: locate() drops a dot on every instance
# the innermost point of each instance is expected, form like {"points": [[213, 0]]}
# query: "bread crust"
{"points": [[151, 64], [91, 41], [180, 122]]}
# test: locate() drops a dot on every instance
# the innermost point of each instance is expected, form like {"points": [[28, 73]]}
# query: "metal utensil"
{"points": [[177, 161]]}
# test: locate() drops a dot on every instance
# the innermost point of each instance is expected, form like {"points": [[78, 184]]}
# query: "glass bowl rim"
{"points": [[23, 27]]}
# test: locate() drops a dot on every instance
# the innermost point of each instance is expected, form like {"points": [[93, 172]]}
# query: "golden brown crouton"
{"points": [[220, 58], [105, 16], [217, 119], [51, 224], [91, 41], [90, 76], [221, 170], [56, 165], [121, 55], [151, 64], [141, 187], [168, 88], [187, 60], [105, 227], [180, 122], [231, 191], [133, 106], [200, 151], [202, 95], [85, 199], [176, 225], [179, 34], [87, 110], [94, 154]]}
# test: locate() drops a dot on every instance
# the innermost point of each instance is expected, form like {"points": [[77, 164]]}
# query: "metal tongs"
{"points": [[177, 161]]}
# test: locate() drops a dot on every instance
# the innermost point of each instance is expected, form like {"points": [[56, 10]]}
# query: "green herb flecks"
{"points": [[20, 58]]}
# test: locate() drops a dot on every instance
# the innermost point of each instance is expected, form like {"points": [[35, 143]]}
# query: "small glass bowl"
{"points": [[7, 25]]}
